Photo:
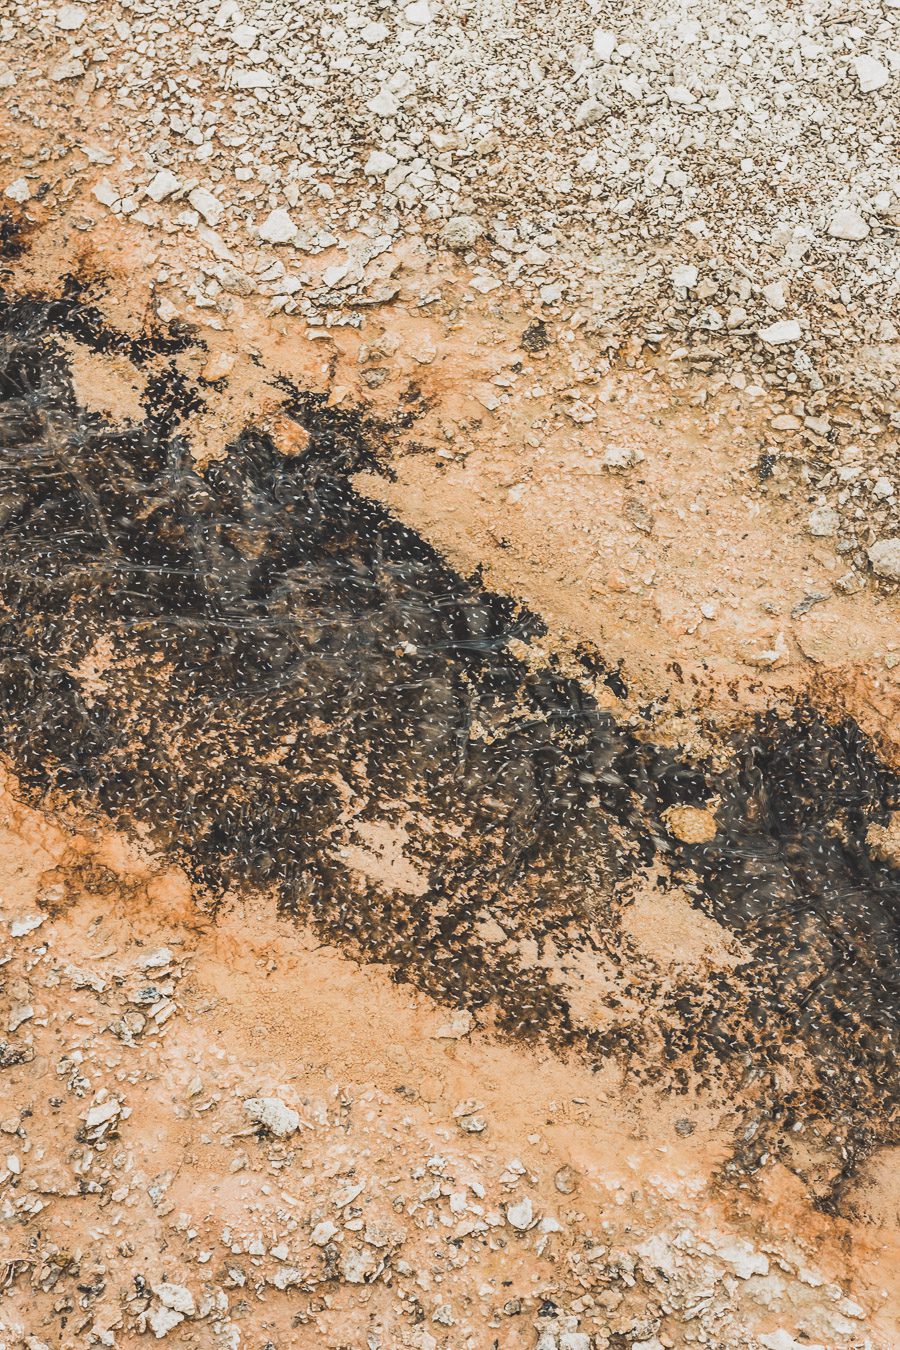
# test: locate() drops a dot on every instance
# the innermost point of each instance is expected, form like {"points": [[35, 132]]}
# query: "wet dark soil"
{"points": [[255, 661]]}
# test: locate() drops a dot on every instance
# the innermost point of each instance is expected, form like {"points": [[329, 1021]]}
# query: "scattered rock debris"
{"points": [[319, 1206], [643, 181], [621, 214], [373, 1222]]}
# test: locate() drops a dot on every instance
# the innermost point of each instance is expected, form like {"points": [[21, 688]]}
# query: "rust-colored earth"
{"points": [[507, 1133]]}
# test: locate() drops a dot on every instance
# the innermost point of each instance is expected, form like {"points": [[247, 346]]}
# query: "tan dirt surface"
{"points": [[629, 1225], [613, 295]]}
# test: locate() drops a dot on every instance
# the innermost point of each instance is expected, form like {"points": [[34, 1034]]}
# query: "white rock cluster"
{"points": [[722, 182]]}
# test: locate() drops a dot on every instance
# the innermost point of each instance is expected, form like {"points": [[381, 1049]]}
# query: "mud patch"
{"points": [[267, 671]]}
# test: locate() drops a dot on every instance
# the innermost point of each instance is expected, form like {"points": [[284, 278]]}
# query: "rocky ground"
{"points": [[220, 1133], [611, 293]]}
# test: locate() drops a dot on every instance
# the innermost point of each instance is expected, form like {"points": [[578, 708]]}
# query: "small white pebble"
{"points": [[786, 330], [871, 73], [70, 17]]}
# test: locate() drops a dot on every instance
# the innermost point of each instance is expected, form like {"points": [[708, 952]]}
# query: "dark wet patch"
{"points": [[260, 664], [12, 237], [535, 337]]}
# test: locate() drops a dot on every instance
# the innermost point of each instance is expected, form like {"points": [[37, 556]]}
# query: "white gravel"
{"points": [[719, 181], [595, 148]]}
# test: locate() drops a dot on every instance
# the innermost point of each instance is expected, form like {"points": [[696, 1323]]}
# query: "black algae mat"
{"points": [[281, 658]]}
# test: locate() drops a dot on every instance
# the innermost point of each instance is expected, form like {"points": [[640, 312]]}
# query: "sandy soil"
{"points": [[127, 989], [640, 502], [645, 507]]}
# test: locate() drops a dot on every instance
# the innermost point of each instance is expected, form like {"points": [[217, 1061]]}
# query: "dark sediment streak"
{"points": [[282, 659]]}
